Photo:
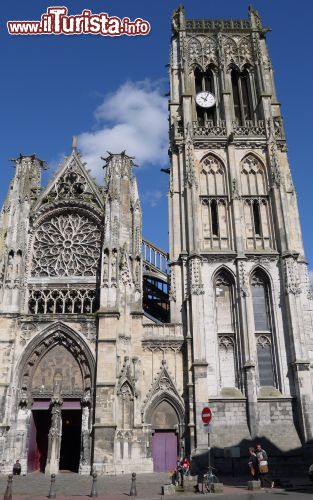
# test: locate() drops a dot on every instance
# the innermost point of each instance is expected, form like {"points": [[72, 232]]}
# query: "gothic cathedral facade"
{"points": [[110, 348]]}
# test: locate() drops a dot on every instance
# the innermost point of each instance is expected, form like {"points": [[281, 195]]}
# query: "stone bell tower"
{"points": [[238, 271]]}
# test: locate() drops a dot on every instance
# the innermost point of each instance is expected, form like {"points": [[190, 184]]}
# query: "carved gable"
{"points": [[163, 383], [126, 382], [72, 183]]}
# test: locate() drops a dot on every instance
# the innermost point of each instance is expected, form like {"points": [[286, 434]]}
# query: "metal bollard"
{"points": [[52, 493], [94, 491], [8, 491], [133, 489]]}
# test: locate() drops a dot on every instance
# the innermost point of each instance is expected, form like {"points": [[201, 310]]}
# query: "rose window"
{"points": [[67, 245]]}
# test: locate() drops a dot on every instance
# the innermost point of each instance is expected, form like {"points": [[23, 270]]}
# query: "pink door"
{"points": [[164, 451]]}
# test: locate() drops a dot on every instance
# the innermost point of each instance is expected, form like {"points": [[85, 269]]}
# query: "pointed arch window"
{"points": [[204, 80], [260, 304], [242, 96], [265, 360], [225, 326], [126, 414], [256, 204], [260, 289], [256, 218], [214, 217], [224, 304]]}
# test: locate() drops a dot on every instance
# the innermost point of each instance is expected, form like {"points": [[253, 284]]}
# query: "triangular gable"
{"points": [[163, 382], [126, 378], [72, 182]]}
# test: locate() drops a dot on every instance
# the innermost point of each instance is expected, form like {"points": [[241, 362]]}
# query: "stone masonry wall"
{"points": [[277, 423], [229, 424]]}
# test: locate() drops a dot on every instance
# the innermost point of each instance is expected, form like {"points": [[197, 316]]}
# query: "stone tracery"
{"points": [[202, 51], [72, 184], [212, 177], [237, 50], [66, 245], [62, 301]]}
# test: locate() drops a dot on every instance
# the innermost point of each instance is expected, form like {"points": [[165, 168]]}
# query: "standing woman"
{"points": [[253, 464], [263, 467]]}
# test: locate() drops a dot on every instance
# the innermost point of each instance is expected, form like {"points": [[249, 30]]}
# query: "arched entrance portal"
{"points": [[165, 413], [56, 385], [165, 438], [57, 374]]}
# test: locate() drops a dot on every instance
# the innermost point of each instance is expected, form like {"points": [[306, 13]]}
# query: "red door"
{"points": [[164, 451], [39, 426], [33, 452]]}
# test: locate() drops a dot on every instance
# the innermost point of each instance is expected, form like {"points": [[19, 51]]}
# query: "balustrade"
{"points": [[166, 331], [249, 128], [209, 129]]}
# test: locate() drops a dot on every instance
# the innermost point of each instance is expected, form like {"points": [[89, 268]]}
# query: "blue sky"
{"points": [[108, 89]]}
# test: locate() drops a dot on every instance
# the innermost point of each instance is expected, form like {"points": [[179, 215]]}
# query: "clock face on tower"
{"points": [[205, 99]]}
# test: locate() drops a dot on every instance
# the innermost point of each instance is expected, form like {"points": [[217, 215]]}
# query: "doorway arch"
{"points": [[165, 414], [56, 380]]}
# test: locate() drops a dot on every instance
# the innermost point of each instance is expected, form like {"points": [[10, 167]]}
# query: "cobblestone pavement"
{"points": [[37, 484], [75, 487]]}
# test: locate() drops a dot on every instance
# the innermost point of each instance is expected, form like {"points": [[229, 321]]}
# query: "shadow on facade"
{"points": [[282, 464]]}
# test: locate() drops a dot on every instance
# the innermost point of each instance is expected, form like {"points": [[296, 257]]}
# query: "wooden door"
{"points": [[164, 451]]}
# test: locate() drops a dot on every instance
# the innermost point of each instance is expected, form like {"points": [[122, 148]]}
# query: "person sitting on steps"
{"points": [[17, 468]]}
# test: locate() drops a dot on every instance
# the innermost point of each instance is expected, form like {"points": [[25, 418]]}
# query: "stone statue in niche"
{"points": [[54, 436], [18, 263], [125, 273], [137, 272], [85, 453], [85, 459], [56, 418], [113, 265], [10, 267], [105, 265], [2, 269]]}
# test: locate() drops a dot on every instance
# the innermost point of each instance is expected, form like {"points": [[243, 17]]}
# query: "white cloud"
{"points": [[152, 197], [134, 118]]}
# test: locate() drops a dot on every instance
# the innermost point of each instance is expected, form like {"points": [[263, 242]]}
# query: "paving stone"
{"points": [[217, 488], [37, 484], [168, 489], [254, 485]]}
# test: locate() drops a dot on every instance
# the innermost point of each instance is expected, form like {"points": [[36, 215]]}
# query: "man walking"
{"points": [[263, 467]]}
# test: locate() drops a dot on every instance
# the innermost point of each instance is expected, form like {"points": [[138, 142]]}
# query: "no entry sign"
{"points": [[206, 415]]}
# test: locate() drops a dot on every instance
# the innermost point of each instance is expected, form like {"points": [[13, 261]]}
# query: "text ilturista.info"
{"points": [[57, 21]]}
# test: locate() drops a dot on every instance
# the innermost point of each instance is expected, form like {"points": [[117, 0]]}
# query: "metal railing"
{"points": [[154, 258]]}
